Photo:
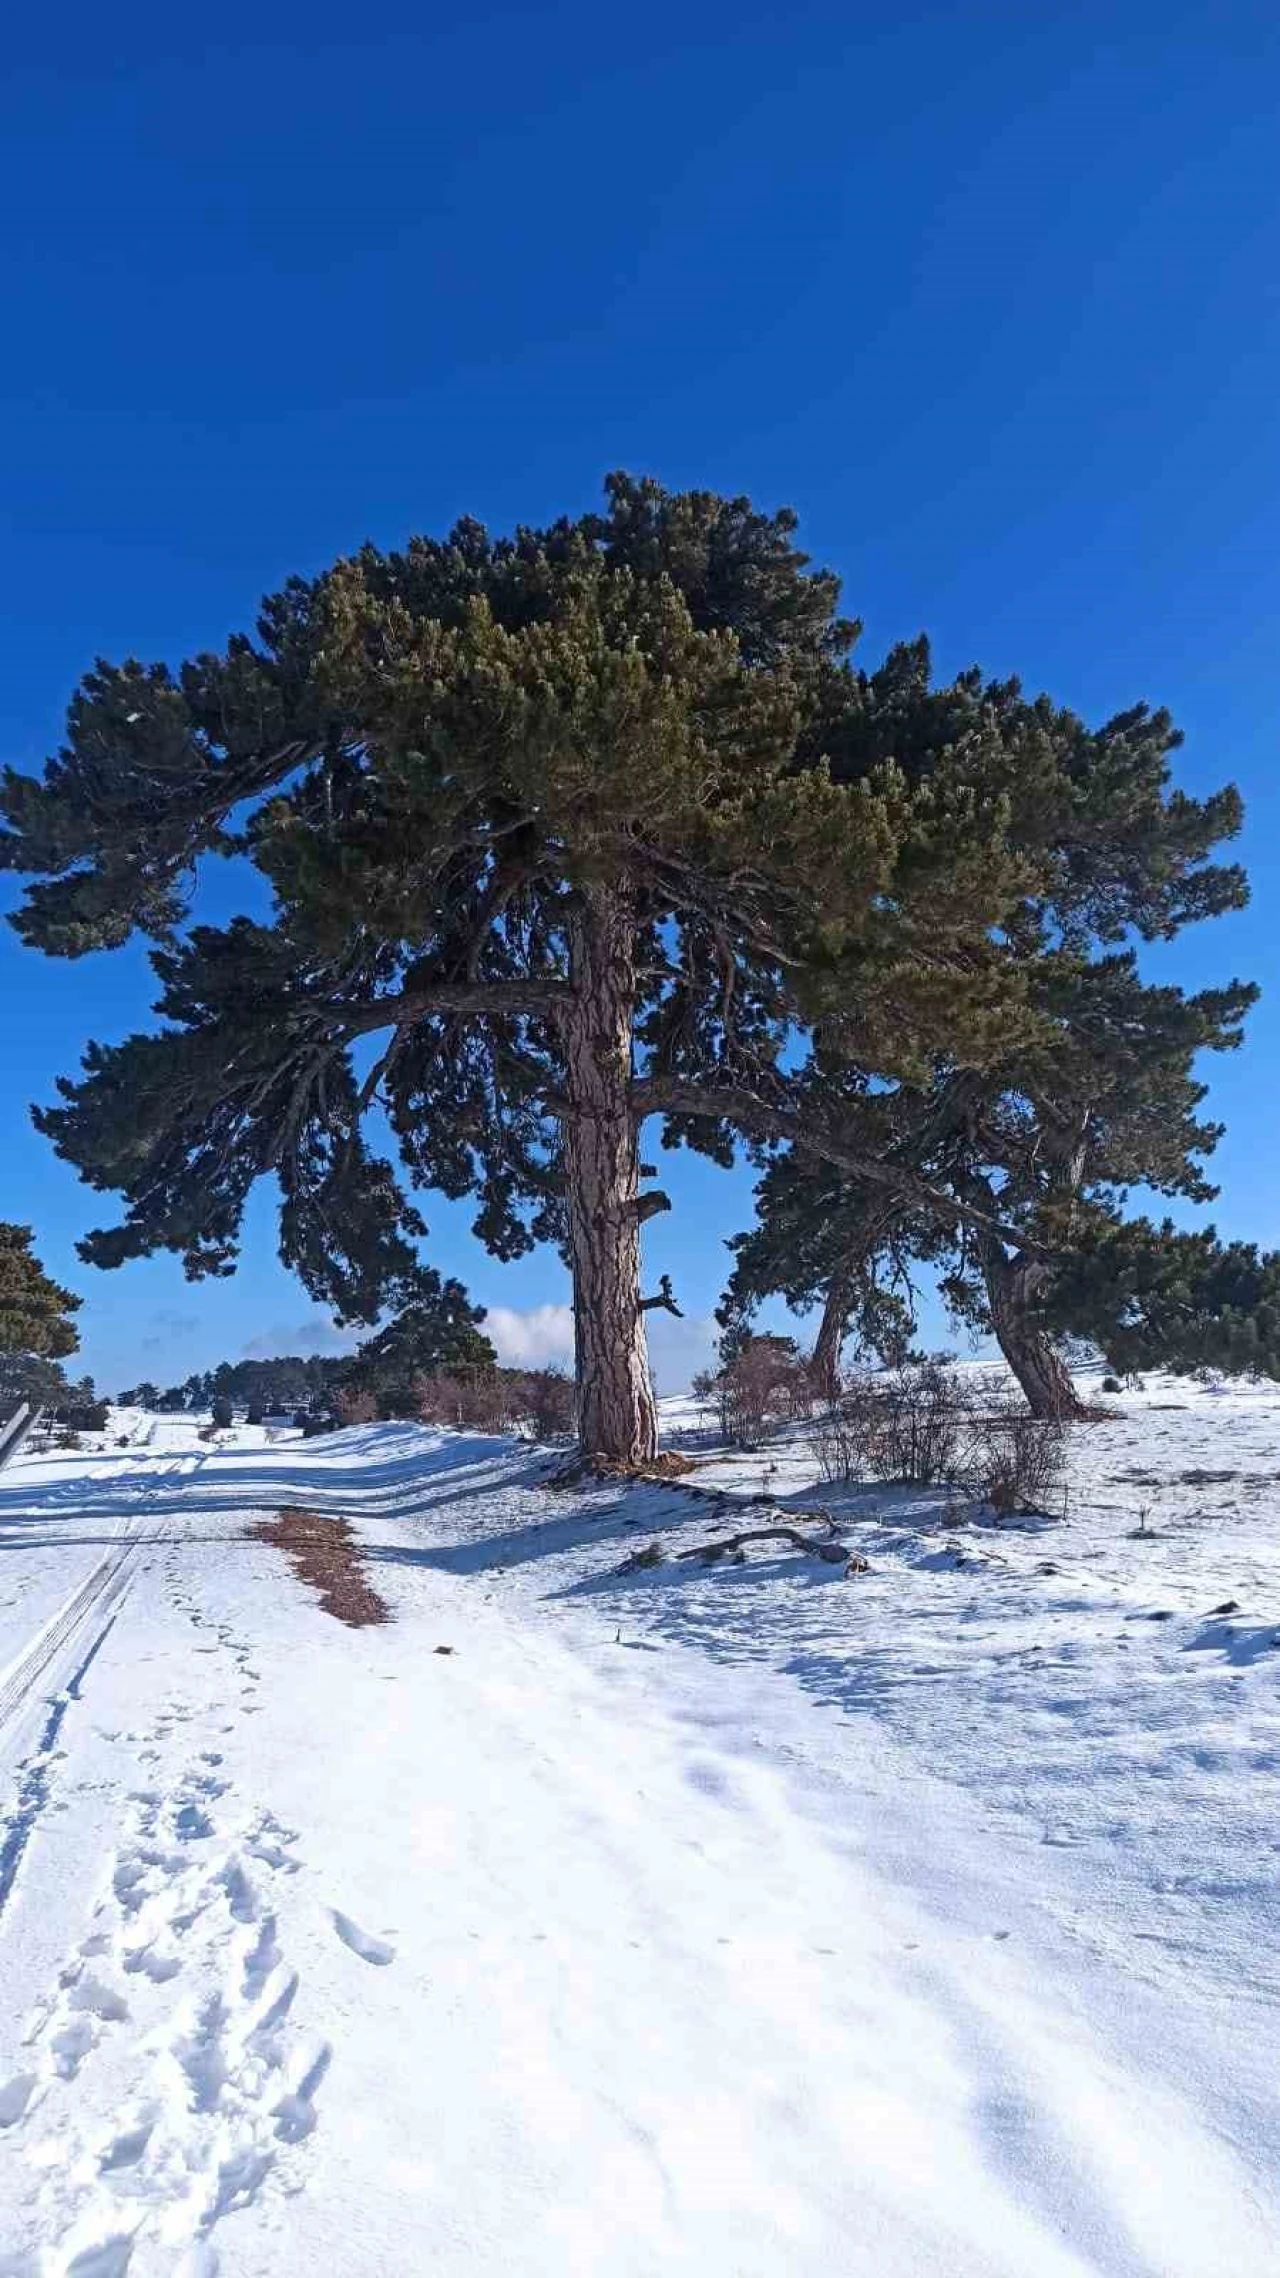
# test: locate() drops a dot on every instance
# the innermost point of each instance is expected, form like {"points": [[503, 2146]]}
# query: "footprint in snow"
{"points": [[15, 2095], [92, 1997], [127, 2147], [105, 2258], [362, 1942]]}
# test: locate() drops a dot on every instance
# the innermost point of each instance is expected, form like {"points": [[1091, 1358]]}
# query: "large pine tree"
{"points": [[581, 826]]}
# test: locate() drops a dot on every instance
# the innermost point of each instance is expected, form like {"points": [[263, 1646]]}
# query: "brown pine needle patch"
{"points": [[582, 1469], [325, 1554]]}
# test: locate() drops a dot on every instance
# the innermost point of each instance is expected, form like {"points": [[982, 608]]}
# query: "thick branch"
{"points": [[668, 1095], [651, 1205], [478, 997]]}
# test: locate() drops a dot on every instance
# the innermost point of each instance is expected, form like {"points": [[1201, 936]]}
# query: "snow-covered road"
{"points": [[668, 1924]]}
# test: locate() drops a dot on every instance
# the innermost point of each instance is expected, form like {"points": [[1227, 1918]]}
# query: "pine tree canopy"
{"points": [[35, 1313], [1159, 1297], [1046, 1141], [44, 1383], [1098, 1093], [577, 826]]}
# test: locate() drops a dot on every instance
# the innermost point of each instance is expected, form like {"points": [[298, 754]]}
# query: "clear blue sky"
{"points": [[991, 294]]}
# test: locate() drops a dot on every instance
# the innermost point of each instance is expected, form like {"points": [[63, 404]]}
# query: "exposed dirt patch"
{"points": [[325, 1554]]}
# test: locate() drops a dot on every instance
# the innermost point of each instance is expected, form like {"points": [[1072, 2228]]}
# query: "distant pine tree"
{"points": [[35, 1311], [442, 1338]]}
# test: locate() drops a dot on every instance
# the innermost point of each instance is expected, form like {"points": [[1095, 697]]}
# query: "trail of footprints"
{"points": [[223, 2085], [219, 2087]]}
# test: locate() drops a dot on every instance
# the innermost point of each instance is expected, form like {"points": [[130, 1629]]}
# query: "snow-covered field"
{"points": [[751, 1922]]}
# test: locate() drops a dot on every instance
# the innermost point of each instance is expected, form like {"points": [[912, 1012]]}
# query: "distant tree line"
{"points": [[433, 1363], [290, 1380], [424, 1340]]}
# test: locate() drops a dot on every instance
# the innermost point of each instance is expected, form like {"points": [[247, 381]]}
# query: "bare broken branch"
{"points": [[665, 1301]]}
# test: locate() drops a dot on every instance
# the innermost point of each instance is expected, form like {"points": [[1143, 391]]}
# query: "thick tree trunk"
{"points": [[617, 1415], [830, 1339], [1042, 1373]]}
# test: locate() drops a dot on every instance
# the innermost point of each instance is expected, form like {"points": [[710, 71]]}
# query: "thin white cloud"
{"points": [[543, 1338], [317, 1335], [540, 1338]]}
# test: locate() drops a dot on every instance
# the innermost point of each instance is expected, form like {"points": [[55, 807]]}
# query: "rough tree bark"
{"points": [[617, 1414], [1012, 1284], [831, 1334]]}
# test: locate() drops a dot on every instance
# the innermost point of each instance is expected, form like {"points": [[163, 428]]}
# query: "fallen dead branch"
{"points": [[827, 1547], [325, 1554], [725, 1546]]}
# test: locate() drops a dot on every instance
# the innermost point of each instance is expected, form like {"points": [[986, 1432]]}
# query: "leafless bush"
{"points": [[482, 1400], [356, 1407], [543, 1400], [932, 1427], [708, 1392], [549, 1403], [1016, 1461], [911, 1425], [844, 1443], [765, 1384], [437, 1398]]}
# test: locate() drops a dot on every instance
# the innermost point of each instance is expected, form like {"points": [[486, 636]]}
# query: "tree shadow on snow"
{"points": [[589, 1520]]}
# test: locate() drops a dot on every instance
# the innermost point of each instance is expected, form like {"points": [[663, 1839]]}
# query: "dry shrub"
{"points": [[1020, 1461], [542, 1401], [907, 1424], [550, 1404], [767, 1383], [481, 1400], [929, 1427], [355, 1406], [325, 1554], [443, 1399]]}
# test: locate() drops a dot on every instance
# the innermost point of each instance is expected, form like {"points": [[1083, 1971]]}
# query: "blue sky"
{"points": [[991, 295]]}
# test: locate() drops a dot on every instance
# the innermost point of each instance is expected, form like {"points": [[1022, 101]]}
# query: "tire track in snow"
{"points": [[18, 1828], [102, 1585], [93, 1606]]}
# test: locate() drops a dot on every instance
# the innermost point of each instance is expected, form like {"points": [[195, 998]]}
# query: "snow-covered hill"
{"points": [[750, 1921]]}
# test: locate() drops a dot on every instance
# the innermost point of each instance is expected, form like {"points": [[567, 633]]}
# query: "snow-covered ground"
{"points": [[753, 1921]]}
